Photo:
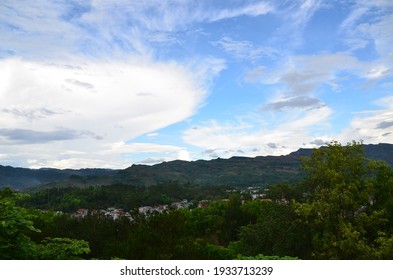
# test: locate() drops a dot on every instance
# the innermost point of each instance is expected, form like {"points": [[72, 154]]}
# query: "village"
{"points": [[255, 193]]}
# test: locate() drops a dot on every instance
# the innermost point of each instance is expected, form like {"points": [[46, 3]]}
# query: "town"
{"points": [[255, 193]]}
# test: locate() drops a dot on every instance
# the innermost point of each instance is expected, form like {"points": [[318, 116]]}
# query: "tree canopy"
{"points": [[347, 203], [16, 228]]}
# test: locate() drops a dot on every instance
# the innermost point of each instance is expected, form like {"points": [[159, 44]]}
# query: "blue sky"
{"points": [[115, 83]]}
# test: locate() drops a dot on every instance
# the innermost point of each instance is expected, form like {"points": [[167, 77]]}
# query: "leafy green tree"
{"points": [[341, 207], [61, 249], [17, 227], [161, 236], [285, 192], [275, 232]]}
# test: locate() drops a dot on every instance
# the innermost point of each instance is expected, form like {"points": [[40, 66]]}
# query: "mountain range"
{"points": [[235, 171]]}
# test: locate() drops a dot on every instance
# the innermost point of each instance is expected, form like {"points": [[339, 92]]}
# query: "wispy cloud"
{"points": [[100, 27], [300, 80], [373, 126], [153, 151], [244, 50], [287, 131], [295, 16], [28, 136], [254, 9], [37, 29], [30, 114], [295, 102], [360, 33]]}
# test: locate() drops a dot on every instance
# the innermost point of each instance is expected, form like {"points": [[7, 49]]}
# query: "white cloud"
{"points": [[295, 15], [36, 29], [286, 130], [152, 135], [375, 126], [302, 74], [124, 148], [152, 161], [295, 102], [300, 79], [382, 35], [244, 50], [137, 23], [150, 152], [4, 156], [164, 15], [89, 105], [184, 155], [255, 9], [359, 32], [71, 163]]}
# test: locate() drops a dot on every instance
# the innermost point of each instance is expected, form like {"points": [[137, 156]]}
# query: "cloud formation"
{"points": [[373, 126], [27, 136], [106, 84], [264, 135], [103, 102], [244, 50], [295, 102]]}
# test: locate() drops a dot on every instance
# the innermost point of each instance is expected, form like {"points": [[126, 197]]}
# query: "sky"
{"points": [[108, 84]]}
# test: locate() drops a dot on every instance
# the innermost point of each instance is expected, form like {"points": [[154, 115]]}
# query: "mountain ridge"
{"points": [[236, 171]]}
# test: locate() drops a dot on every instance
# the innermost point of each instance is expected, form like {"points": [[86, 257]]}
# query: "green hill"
{"points": [[235, 171]]}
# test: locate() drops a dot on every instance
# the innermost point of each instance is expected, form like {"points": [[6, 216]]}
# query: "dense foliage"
{"points": [[348, 204], [342, 209], [126, 197], [17, 227]]}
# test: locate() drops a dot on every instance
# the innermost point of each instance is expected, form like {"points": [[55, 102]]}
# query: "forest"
{"points": [[342, 208]]}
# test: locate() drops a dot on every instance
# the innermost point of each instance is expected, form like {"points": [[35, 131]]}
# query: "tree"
{"points": [[15, 225], [161, 236], [16, 228], [275, 232], [61, 249], [285, 192], [341, 206]]}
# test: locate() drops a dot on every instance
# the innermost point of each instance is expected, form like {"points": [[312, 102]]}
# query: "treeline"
{"points": [[122, 196], [342, 209], [203, 233]]}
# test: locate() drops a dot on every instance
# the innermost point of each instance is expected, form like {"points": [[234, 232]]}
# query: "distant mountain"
{"points": [[380, 151], [20, 178], [236, 171]]}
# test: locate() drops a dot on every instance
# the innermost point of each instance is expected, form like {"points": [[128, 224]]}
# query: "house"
{"points": [[204, 203], [177, 205], [81, 213], [144, 210], [160, 208]]}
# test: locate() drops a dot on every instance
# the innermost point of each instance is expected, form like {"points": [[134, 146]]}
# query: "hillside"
{"points": [[20, 178], [236, 171]]}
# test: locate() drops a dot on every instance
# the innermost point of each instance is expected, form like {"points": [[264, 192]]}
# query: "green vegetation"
{"points": [[341, 209], [120, 196], [348, 204], [16, 228]]}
